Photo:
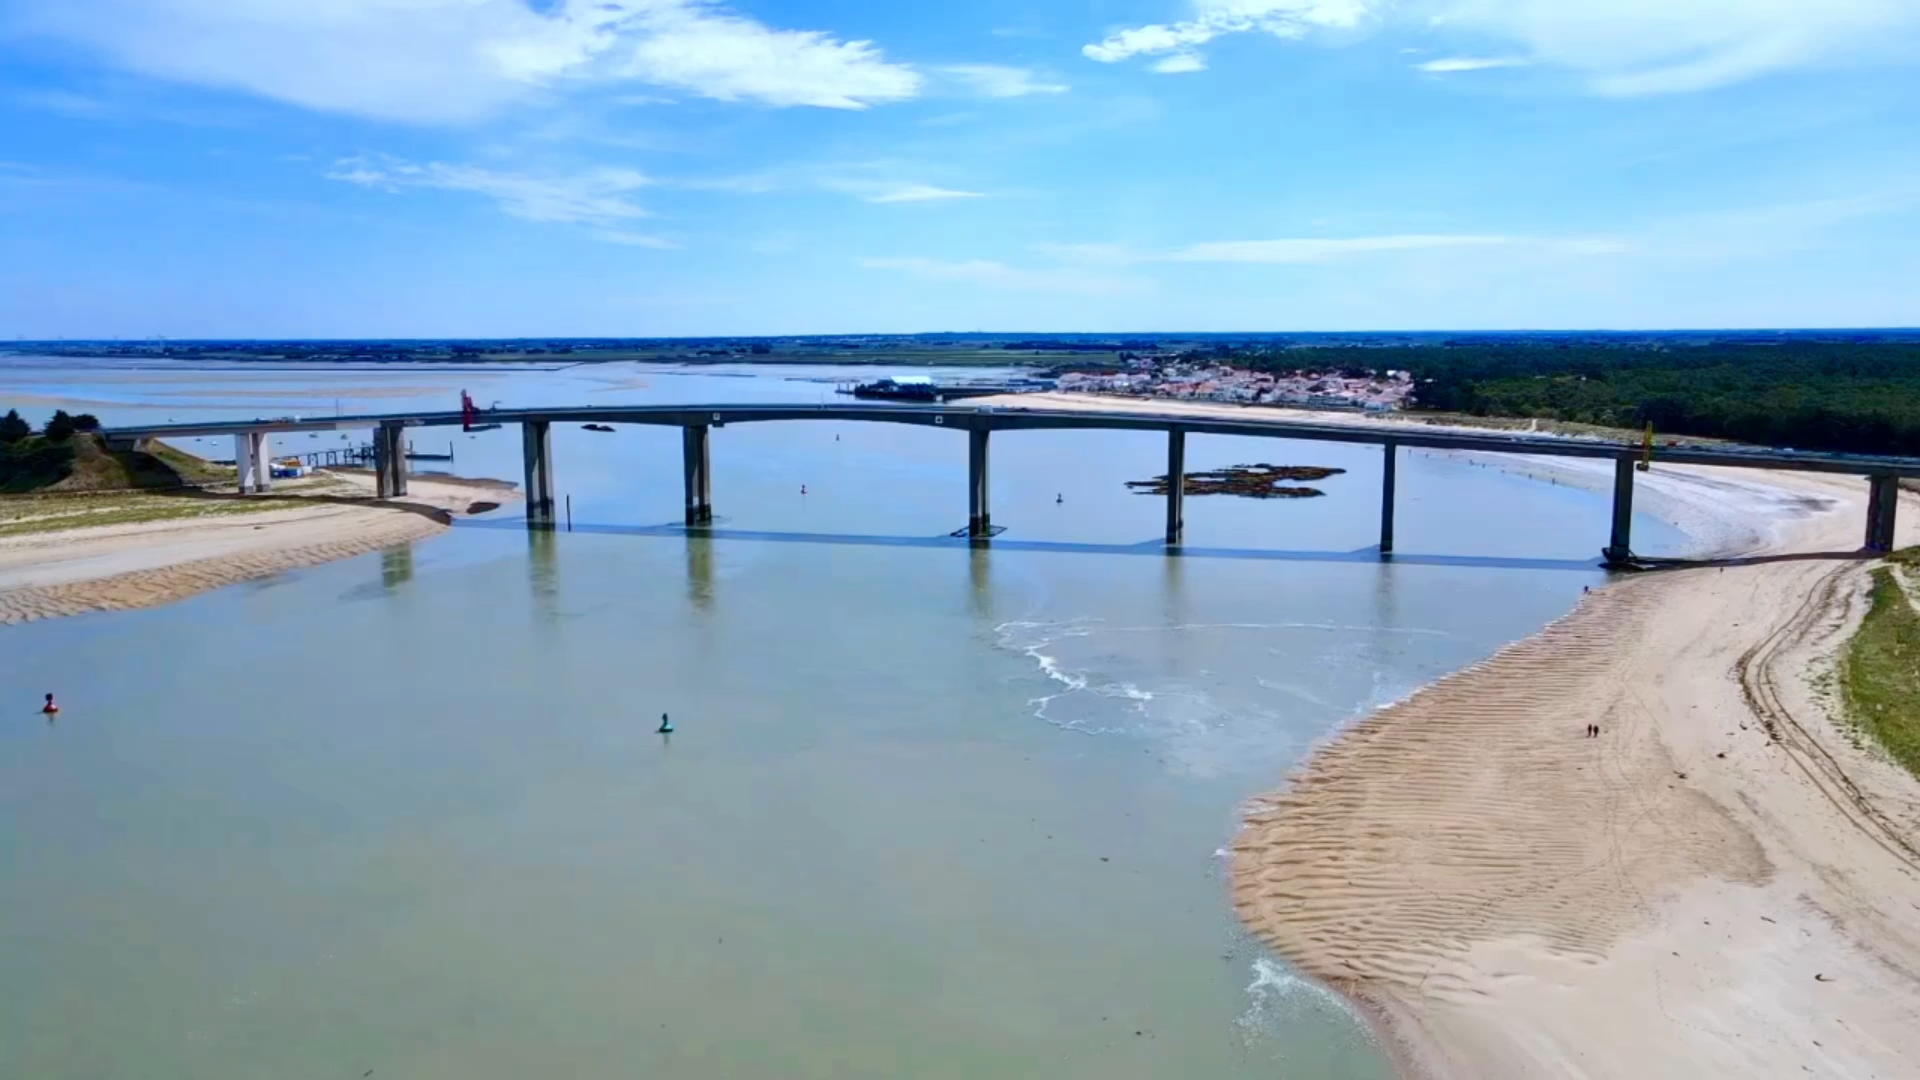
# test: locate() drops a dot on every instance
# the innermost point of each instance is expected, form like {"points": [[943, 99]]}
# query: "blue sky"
{"points": [[268, 168]]}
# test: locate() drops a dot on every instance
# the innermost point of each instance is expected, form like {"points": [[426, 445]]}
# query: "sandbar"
{"points": [[1723, 883], [120, 567]]}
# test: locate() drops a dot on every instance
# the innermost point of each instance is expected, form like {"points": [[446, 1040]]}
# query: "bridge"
{"points": [[697, 422]]}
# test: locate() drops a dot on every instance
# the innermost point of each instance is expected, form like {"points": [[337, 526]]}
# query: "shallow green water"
{"points": [[929, 812]]}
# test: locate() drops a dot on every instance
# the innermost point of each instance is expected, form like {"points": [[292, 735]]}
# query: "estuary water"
{"points": [[930, 811]]}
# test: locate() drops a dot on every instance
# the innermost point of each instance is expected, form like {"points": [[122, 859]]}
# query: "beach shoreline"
{"points": [[1503, 897], [1722, 882], [74, 571]]}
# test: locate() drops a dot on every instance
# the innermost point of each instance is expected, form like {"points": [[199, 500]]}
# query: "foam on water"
{"points": [[1108, 680], [1277, 999]]}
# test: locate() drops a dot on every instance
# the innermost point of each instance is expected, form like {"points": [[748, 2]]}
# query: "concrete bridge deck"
{"points": [[980, 421]]}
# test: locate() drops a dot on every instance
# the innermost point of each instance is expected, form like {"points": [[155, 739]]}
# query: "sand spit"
{"points": [[1719, 884], [115, 568]]}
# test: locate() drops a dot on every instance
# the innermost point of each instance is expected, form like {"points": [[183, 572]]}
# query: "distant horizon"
{"points": [[994, 335]]}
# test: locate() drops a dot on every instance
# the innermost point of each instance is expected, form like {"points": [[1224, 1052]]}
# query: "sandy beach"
{"points": [[1723, 883], [118, 567]]}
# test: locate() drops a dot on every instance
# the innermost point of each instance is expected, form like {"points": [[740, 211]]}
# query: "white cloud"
{"points": [[601, 199], [1000, 81], [1216, 18], [878, 185], [1181, 63], [920, 193], [996, 275], [1619, 47], [1664, 46], [1452, 64], [459, 60], [730, 58], [880, 191]]}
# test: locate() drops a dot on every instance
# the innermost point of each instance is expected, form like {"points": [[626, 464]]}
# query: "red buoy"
{"points": [[50, 708]]}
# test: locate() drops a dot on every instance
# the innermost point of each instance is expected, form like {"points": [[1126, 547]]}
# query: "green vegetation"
{"points": [[1861, 397], [1880, 671], [22, 515], [71, 458]]}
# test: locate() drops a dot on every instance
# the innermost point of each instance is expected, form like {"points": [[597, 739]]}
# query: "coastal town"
{"points": [[1153, 377]]}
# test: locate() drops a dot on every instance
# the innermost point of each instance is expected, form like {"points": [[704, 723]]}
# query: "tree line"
{"points": [[61, 427], [1836, 396]]}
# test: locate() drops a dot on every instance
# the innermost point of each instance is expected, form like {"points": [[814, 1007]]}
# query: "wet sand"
{"points": [[1721, 883], [119, 567]]}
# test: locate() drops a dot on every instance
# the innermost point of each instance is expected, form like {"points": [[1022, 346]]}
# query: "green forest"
{"points": [[1851, 397]]}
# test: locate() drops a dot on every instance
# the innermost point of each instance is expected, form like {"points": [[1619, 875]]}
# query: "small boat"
{"points": [[597, 427]]}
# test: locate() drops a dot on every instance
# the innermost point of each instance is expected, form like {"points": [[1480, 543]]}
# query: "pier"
{"points": [[980, 422]]}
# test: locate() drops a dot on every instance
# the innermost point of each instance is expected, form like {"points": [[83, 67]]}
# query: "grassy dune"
{"points": [[84, 462], [81, 482], [1880, 673]]}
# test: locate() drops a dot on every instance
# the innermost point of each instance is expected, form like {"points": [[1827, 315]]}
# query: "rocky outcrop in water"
{"points": [[1246, 481]]}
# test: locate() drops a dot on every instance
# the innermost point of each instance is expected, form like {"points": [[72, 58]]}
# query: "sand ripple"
{"points": [[1478, 808]]}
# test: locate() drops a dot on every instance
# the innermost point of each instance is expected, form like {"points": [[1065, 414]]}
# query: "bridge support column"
{"points": [[262, 463], [1388, 481], [382, 463], [389, 461], [979, 518], [697, 462], [1176, 487], [243, 460], [536, 454], [399, 459], [1883, 504], [1620, 548]]}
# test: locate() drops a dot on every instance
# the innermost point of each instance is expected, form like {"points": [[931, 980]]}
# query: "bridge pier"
{"points": [[1387, 484], [389, 461], [382, 468], [979, 517], [1176, 487], [1883, 505], [696, 444], [536, 454], [243, 460], [262, 462], [1620, 548]]}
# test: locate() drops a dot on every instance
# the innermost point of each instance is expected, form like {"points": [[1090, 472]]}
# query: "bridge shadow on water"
{"points": [[1155, 548]]}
